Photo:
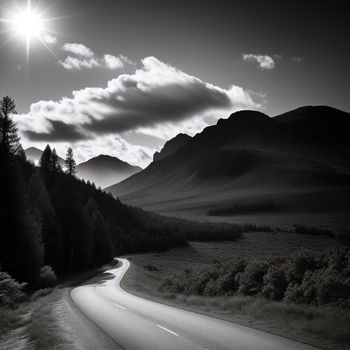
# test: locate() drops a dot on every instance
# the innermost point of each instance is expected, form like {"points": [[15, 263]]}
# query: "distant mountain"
{"points": [[172, 146], [34, 154], [300, 160], [105, 170]]}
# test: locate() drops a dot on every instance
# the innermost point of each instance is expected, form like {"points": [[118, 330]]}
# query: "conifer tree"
{"points": [[51, 228], [70, 163], [9, 139], [55, 165], [45, 160]]}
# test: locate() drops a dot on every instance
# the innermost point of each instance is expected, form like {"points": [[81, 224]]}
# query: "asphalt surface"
{"points": [[135, 323]]}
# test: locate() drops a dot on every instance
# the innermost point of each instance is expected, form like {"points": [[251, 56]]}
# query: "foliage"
{"points": [[303, 277], [11, 291], [70, 163], [48, 277]]}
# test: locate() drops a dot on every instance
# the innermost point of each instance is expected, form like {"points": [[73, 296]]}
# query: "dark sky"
{"points": [[309, 44]]}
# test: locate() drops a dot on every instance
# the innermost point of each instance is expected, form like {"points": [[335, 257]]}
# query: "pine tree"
{"points": [[70, 163], [9, 139], [55, 165], [102, 246], [51, 229], [21, 249], [45, 160]]}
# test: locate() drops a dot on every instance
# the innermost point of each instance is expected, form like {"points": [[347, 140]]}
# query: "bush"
{"points": [[275, 283], [252, 278], [302, 278], [298, 263], [313, 231], [47, 277], [11, 291]]}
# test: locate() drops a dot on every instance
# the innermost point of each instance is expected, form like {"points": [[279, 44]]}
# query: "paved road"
{"points": [[135, 323]]}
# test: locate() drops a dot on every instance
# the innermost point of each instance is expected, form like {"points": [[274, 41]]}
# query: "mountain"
{"points": [[105, 170], [34, 154], [172, 146], [300, 160]]}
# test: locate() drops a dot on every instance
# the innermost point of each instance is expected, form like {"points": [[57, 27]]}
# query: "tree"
{"points": [[45, 160], [102, 245], [21, 249], [51, 228], [70, 163], [9, 139], [55, 165]]}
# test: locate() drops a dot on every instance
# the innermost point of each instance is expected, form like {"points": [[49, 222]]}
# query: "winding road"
{"points": [[135, 323]]}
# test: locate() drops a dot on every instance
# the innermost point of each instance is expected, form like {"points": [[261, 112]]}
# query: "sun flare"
{"points": [[27, 23]]}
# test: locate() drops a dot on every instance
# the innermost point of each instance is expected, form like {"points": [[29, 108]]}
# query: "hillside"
{"points": [[298, 160], [172, 146], [105, 170]]}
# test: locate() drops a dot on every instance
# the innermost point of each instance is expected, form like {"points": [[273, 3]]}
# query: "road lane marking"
{"points": [[122, 307], [167, 330]]}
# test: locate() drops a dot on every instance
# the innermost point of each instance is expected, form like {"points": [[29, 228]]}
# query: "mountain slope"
{"points": [[105, 170], [172, 146], [251, 157]]}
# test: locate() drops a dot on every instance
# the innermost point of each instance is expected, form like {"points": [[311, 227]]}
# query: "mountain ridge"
{"points": [[105, 169], [248, 157]]}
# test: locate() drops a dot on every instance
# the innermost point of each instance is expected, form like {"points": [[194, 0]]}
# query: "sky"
{"points": [[123, 77]]}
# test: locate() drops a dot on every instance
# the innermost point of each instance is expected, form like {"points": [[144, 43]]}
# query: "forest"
{"points": [[54, 224]]}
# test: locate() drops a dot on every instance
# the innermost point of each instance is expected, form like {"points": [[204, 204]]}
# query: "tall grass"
{"points": [[330, 323]]}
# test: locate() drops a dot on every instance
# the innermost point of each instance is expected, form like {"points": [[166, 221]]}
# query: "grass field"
{"points": [[325, 328]]}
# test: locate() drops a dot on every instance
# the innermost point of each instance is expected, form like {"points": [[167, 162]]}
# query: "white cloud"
{"points": [[72, 63], [157, 99], [85, 58], [113, 62], [50, 39], [78, 50], [264, 62]]}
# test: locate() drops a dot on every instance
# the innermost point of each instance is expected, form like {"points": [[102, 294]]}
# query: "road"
{"points": [[135, 323]]}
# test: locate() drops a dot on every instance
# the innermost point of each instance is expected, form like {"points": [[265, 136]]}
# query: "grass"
{"points": [[43, 330], [326, 328], [12, 319], [33, 325], [244, 208], [328, 323]]}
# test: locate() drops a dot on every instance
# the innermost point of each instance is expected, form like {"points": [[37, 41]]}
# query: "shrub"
{"points": [[252, 279], [47, 277], [298, 263], [11, 291], [228, 282], [275, 283], [303, 278]]}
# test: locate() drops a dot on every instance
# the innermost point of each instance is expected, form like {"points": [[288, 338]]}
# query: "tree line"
{"points": [[52, 220], [52, 223]]}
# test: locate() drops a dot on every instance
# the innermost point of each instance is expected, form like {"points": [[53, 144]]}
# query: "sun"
{"points": [[27, 23]]}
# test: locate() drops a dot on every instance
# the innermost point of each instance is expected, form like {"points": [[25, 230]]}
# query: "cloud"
{"points": [[75, 63], [85, 58], [264, 62], [59, 131], [50, 39], [157, 100], [78, 50]]}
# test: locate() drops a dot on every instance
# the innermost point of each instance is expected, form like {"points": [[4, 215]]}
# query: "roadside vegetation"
{"points": [[302, 278], [305, 291]]}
